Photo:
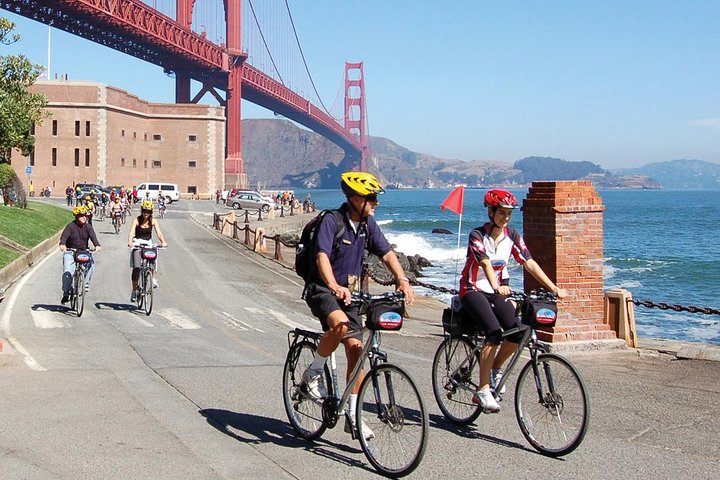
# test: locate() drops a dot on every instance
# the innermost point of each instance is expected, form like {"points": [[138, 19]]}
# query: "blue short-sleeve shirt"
{"points": [[347, 259]]}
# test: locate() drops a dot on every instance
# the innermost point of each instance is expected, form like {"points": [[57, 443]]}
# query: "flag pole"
{"points": [[457, 251]]}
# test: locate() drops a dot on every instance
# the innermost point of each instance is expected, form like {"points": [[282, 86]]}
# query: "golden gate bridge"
{"points": [[225, 46]]}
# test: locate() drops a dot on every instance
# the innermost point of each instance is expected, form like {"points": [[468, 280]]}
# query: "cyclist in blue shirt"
{"points": [[328, 294]]}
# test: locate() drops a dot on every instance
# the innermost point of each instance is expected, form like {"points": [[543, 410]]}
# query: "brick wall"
{"points": [[563, 228], [129, 140]]}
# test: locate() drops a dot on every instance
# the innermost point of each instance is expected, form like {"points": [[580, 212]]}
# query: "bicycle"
{"points": [[82, 259], [116, 219], [388, 402], [161, 209], [552, 406], [100, 212], [148, 256]]}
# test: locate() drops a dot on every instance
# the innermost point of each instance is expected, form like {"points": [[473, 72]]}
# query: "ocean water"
{"points": [[661, 245]]}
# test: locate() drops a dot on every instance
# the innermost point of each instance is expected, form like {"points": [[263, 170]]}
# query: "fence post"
{"points": [[620, 315], [282, 211], [247, 234], [278, 252], [563, 228], [247, 218]]}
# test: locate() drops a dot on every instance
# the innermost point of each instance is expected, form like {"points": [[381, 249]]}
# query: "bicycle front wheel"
{"points": [[116, 224], [551, 405], [305, 415], [79, 291], [453, 370], [392, 421], [148, 291], [140, 299]]}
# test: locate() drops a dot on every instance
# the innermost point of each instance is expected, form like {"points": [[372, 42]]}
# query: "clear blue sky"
{"points": [[618, 83]]}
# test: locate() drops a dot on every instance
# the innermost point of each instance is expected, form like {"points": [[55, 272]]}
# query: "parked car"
{"points": [[250, 201], [170, 191], [87, 188]]}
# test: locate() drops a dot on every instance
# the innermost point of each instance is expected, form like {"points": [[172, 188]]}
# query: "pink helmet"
{"points": [[500, 198]]}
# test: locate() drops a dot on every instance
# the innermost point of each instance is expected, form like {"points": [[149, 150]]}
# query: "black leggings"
{"points": [[492, 314]]}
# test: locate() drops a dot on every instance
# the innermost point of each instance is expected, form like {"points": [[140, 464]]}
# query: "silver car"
{"points": [[250, 201]]}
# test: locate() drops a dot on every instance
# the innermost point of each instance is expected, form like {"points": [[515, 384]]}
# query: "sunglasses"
{"points": [[371, 198]]}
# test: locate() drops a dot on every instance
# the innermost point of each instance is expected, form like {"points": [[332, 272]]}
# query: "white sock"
{"points": [[318, 363], [353, 405]]}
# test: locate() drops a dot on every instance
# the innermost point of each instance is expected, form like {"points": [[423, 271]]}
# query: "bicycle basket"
{"points": [[385, 314], [149, 253], [456, 322], [82, 256], [539, 314]]}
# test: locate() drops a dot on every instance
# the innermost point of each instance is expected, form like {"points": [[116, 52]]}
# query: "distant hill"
{"points": [[278, 153], [681, 174]]}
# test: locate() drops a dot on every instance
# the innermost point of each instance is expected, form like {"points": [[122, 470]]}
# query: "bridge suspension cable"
{"points": [[262, 36]]}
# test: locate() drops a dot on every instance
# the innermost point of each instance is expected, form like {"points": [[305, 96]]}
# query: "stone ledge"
{"points": [[586, 346]]}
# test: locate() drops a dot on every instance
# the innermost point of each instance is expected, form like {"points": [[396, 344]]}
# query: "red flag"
{"points": [[454, 201]]}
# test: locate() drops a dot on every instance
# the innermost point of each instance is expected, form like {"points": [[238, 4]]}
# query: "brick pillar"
{"points": [[563, 228]]}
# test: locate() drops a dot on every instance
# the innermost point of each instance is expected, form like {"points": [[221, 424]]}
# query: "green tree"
{"points": [[19, 109]]}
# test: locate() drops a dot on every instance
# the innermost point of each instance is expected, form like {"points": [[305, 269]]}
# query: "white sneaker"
{"points": [[155, 284], [133, 296], [350, 428], [495, 376], [313, 385], [485, 399]]}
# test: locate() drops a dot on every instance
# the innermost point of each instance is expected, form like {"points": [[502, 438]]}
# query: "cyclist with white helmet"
{"points": [[339, 268], [484, 286], [141, 231]]}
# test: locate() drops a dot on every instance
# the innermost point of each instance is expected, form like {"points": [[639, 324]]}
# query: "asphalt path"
{"points": [[194, 390]]}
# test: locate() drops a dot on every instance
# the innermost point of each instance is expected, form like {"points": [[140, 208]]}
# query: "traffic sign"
{"points": [[28, 169]]}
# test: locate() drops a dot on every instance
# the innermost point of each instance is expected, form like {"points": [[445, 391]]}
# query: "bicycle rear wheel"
{"points": [[148, 290], [390, 405], [453, 372], [551, 405], [140, 299], [116, 224], [79, 287], [305, 415]]}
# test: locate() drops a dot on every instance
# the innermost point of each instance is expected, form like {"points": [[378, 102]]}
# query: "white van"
{"points": [[169, 190]]}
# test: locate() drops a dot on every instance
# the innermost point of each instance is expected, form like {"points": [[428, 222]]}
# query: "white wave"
{"points": [[609, 271], [384, 222], [410, 244]]}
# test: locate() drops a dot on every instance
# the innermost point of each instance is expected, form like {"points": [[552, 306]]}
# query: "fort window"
{"points": [[77, 128], [32, 157], [122, 162], [87, 157], [192, 163], [192, 189], [54, 157], [157, 164], [87, 129], [192, 138], [54, 128], [134, 163], [145, 163], [77, 157], [157, 136], [145, 137], [134, 135], [122, 133]]}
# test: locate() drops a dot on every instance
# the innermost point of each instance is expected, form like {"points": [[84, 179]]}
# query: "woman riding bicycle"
{"points": [[141, 229], [484, 286]]}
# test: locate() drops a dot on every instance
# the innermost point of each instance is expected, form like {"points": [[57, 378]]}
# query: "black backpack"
{"points": [[305, 265]]}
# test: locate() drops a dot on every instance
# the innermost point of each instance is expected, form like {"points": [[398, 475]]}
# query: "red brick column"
{"points": [[563, 228]]}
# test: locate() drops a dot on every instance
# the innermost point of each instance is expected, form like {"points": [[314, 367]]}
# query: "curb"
{"points": [[11, 272]]}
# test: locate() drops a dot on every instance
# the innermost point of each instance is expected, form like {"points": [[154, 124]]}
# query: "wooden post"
{"points": [[563, 229]]}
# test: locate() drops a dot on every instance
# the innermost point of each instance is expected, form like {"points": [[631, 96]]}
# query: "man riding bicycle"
{"points": [[339, 268], [76, 236]]}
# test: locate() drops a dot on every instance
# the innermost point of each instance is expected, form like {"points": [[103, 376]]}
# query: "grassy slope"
{"points": [[32, 225]]}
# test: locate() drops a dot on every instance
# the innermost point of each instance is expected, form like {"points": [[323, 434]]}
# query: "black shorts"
{"points": [[322, 303]]}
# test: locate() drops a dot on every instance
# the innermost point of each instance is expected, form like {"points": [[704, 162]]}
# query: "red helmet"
{"points": [[500, 198]]}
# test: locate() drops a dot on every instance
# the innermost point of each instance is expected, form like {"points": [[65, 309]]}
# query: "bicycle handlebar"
{"points": [[360, 297], [539, 294]]}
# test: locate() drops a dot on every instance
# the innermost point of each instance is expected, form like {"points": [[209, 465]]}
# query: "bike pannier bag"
{"points": [[385, 314], [456, 322], [82, 256], [539, 314], [149, 253]]}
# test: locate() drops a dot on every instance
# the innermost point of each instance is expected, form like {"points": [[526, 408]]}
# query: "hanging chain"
{"points": [[677, 308], [416, 283]]}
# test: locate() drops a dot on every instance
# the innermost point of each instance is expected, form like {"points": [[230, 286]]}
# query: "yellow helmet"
{"points": [[360, 183], [147, 205], [80, 210]]}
